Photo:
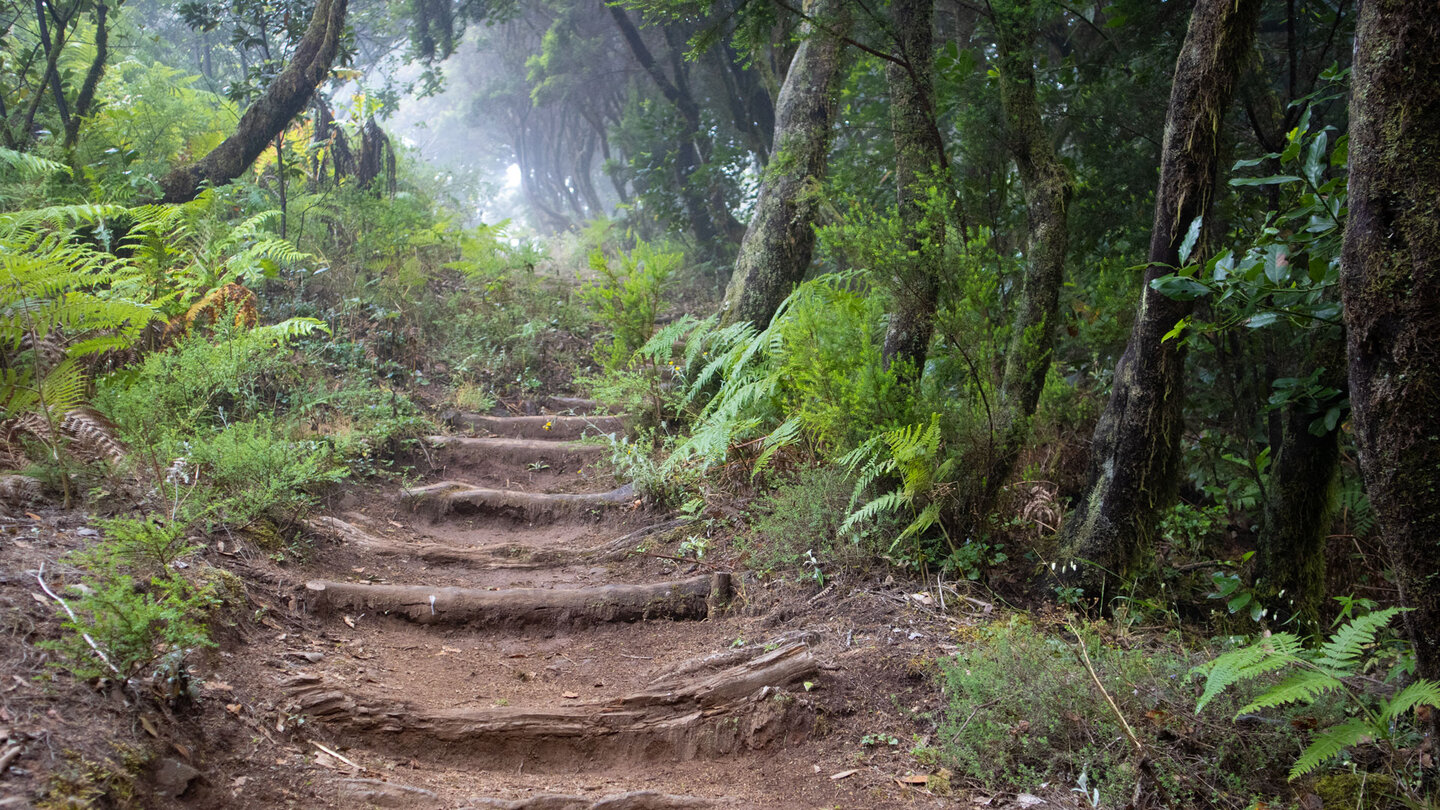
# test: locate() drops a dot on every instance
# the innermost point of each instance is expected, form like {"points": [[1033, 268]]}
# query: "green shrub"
{"points": [[1023, 710], [796, 528], [628, 297], [249, 472]]}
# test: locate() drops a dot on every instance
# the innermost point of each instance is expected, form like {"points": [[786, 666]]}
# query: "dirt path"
{"points": [[490, 637]]}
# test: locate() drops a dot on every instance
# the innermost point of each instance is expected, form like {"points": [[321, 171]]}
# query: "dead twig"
{"points": [[1124, 724], [40, 578]]}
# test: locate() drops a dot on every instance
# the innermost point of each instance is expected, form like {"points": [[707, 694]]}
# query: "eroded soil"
{"points": [[759, 694]]}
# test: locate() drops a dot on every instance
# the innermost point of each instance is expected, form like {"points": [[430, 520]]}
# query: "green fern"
{"points": [[1316, 673]]}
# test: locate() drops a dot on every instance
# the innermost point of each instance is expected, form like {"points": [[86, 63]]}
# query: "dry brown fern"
{"points": [[216, 303], [89, 436]]}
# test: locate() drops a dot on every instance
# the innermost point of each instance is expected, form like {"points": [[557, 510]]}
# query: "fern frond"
{"points": [[661, 345], [1329, 743], [1302, 686], [96, 436], [1265, 655], [28, 166], [888, 503], [1343, 649], [1420, 693], [784, 436], [292, 328]]}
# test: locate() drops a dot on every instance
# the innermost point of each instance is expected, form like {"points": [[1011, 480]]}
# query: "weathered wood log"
{"points": [[693, 598], [554, 428], [740, 708], [634, 800], [492, 558], [730, 658], [465, 451], [457, 497]]}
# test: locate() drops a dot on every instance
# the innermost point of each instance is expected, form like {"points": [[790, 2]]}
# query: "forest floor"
{"points": [[513, 630]]}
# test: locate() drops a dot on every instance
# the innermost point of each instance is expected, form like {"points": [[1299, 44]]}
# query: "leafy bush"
{"points": [[248, 471], [627, 298], [134, 604], [1024, 710], [796, 528]]}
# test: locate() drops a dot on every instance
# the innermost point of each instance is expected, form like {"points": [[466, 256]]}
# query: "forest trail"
{"points": [[490, 637]]}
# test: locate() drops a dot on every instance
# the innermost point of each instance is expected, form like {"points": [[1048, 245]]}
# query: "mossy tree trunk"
{"points": [[268, 116], [1134, 455], [1390, 287], [920, 165], [1300, 497], [1047, 199], [775, 252]]}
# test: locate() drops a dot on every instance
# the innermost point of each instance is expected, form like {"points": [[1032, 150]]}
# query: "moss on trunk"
{"points": [[1133, 460], [776, 250], [1390, 286]]}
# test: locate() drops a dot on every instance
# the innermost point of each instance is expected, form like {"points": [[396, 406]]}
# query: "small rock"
{"points": [[173, 777]]}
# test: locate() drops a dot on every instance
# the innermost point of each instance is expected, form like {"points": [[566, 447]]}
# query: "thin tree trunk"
{"points": [[92, 76], [52, 59], [271, 113], [776, 249], [1390, 286], [1047, 199], [1135, 453], [687, 159], [1300, 498], [919, 162]]}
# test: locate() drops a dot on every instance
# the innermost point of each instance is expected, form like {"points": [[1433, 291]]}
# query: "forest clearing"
{"points": [[653, 404]]}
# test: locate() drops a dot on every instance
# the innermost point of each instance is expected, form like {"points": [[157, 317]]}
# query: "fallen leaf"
{"points": [[233, 708], [33, 516], [350, 621], [181, 750], [38, 598], [149, 726], [844, 774], [1027, 800], [923, 598], [216, 686], [569, 695], [913, 779]]}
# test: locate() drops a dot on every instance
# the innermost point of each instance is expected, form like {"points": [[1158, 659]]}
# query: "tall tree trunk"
{"points": [[1047, 201], [687, 158], [1300, 497], [919, 162], [92, 76], [286, 96], [776, 250], [1135, 452], [1390, 286]]}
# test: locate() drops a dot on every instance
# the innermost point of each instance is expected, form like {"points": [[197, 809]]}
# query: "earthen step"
{"points": [[555, 428], [458, 497], [740, 708], [694, 598], [508, 556], [490, 453]]}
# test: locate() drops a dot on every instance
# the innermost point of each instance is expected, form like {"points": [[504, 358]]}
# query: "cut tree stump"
{"points": [[539, 427], [740, 708], [694, 598], [457, 497]]}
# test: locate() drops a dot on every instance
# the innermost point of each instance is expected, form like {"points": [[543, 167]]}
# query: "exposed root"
{"points": [[462, 451], [739, 708], [694, 598]]}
